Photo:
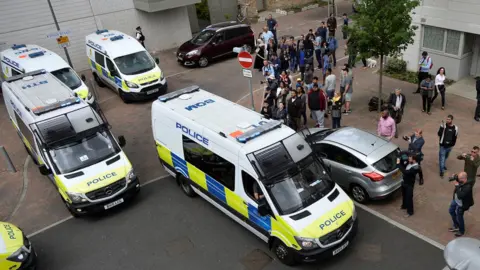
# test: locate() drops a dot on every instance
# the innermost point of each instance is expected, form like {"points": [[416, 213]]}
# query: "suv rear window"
{"points": [[388, 163], [237, 32]]}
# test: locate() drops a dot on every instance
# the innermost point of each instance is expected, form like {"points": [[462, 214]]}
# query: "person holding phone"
{"points": [[427, 93], [409, 174], [415, 145]]}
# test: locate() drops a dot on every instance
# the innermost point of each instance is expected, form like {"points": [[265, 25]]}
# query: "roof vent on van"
{"points": [[185, 97], [19, 46], [98, 32], [244, 125], [27, 78], [37, 54], [116, 38]]}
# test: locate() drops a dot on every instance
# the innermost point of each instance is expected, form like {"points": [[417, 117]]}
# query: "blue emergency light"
{"points": [[19, 46], [101, 31], [116, 38], [37, 54], [252, 134], [57, 105]]}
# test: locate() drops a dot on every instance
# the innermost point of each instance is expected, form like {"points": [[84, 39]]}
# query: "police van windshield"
{"points": [[298, 189], [83, 153], [68, 77], [135, 63]]}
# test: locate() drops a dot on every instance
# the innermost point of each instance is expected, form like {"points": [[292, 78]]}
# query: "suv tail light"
{"points": [[375, 177]]}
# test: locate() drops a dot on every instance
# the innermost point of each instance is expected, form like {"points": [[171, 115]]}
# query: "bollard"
{"points": [[9, 162]]}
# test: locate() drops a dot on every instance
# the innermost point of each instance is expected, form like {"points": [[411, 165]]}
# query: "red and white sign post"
{"points": [[246, 61]]}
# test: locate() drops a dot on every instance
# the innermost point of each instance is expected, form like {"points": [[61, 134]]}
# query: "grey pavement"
{"points": [[164, 229]]}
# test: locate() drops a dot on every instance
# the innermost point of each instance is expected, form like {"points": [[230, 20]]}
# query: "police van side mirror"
{"points": [[263, 208], [157, 61], [121, 141], [44, 170], [83, 78]]}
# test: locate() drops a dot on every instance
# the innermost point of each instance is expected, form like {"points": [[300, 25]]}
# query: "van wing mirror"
{"points": [[44, 170], [121, 141], [157, 61], [263, 208], [83, 78]]}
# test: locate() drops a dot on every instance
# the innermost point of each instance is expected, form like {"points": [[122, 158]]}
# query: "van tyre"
{"points": [[203, 61], [123, 96], [283, 253], [98, 80], [72, 212], [359, 194], [185, 185]]}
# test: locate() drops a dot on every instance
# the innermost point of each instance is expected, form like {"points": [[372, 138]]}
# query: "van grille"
{"points": [[107, 191], [151, 87], [336, 234]]}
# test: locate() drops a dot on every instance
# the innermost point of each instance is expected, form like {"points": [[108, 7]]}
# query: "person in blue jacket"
{"points": [[332, 48], [326, 65]]}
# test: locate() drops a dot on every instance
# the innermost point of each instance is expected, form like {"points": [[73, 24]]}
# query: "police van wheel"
{"points": [[359, 194], [98, 80], [123, 96], [186, 187], [70, 210], [283, 253]]}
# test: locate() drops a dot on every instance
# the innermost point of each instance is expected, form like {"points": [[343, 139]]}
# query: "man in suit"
{"points": [[415, 145], [396, 104]]}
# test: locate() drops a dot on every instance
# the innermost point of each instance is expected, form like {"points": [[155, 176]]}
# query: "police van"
{"points": [[20, 59], [70, 142], [16, 251], [120, 62], [259, 172]]}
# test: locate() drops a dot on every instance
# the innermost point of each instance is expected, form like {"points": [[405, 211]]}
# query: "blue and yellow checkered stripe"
{"points": [[100, 70], [274, 226]]}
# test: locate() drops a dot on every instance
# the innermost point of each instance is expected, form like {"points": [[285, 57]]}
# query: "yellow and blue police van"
{"points": [[121, 63], [16, 251], [24, 58], [259, 172], [70, 142]]}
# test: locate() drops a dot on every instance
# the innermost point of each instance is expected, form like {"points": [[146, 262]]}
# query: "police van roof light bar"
{"points": [[116, 38], [56, 105], [252, 134], [19, 46], [174, 95], [98, 32], [21, 76], [37, 54]]}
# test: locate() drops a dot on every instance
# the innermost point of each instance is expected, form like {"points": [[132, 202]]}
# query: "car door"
{"points": [[113, 75], [219, 47], [234, 37]]}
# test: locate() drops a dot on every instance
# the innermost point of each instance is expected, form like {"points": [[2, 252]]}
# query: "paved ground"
{"points": [[149, 235]]}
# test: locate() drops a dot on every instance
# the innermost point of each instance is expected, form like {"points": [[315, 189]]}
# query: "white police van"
{"points": [[259, 172], [70, 142], [120, 62], [24, 58]]}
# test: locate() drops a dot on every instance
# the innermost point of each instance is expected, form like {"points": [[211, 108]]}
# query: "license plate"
{"points": [[113, 204], [338, 250], [396, 174], [152, 91]]}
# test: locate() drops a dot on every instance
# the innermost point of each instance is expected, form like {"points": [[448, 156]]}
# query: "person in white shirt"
{"points": [[440, 86]]}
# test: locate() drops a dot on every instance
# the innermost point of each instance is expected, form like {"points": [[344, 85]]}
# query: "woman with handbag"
{"points": [[426, 87], [440, 86]]}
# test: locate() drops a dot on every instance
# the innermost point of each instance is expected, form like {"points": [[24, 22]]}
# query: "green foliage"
{"points": [[202, 10], [227, 16], [407, 76], [396, 65]]}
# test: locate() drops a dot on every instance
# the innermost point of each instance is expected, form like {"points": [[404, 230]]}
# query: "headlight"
{"points": [[89, 95], [194, 52], [162, 76], [20, 255], [130, 176], [76, 197], [306, 243], [131, 85]]}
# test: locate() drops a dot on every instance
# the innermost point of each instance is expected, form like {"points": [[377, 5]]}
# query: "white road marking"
{"points": [[24, 188]]}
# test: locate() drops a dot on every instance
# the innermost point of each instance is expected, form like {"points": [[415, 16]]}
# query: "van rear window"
{"points": [[388, 163]]}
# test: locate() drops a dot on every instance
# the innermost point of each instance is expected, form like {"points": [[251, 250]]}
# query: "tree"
{"points": [[382, 28]]}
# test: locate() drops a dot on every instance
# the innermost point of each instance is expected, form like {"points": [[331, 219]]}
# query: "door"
{"points": [[236, 37], [218, 46], [114, 76], [343, 164]]}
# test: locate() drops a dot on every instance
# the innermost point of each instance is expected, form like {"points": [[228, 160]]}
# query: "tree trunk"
{"points": [[380, 84]]}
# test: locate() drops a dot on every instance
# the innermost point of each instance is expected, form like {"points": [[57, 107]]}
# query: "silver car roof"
{"points": [[359, 140]]}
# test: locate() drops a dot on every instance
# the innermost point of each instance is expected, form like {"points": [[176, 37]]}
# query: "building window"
{"points": [[468, 43], [433, 38], [452, 45]]}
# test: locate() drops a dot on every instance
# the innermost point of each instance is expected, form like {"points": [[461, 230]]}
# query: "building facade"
{"points": [[165, 23], [449, 30]]}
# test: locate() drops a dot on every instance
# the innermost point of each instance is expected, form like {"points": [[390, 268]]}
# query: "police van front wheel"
{"points": [[283, 253], [98, 80], [123, 96], [70, 210], [185, 185]]}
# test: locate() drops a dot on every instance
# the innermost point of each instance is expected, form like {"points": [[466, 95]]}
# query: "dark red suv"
{"points": [[215, 41]]}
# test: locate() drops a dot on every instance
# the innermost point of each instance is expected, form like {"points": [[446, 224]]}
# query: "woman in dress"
{"points": [[440, 85], [260, 54]]}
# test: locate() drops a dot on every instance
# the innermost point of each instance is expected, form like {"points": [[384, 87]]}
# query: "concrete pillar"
{"points": [[192, 16]]}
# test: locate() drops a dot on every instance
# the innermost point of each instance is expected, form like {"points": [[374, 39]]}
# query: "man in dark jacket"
{"points": [[409, 174], [461, 202], [294, 110], [477, 110], [415, 145], [396, 104], [322, 31], [472, 162], [447, 137], [332, 25]]}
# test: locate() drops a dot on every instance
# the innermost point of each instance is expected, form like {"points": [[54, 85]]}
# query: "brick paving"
{"points": [[431, 200]]}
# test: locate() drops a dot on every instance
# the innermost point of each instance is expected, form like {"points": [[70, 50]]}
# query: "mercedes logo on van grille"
{"points": [[108, 191]]}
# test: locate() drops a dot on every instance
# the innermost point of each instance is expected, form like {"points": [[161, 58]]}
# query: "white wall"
{"points": [[29, 21]]}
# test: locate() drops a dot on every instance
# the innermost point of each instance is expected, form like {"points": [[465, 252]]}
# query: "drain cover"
{"points": [[256, 260]]}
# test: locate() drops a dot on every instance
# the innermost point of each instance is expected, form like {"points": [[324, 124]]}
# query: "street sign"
{"points": [[63, 41], [247, 73], [245, 59], [59, 33]]}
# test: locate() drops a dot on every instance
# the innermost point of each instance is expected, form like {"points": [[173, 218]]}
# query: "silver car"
{"points": [[360, 162], [463, 254]]}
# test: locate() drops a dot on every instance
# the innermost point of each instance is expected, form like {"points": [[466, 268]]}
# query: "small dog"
{"points": [[371, 62]]}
